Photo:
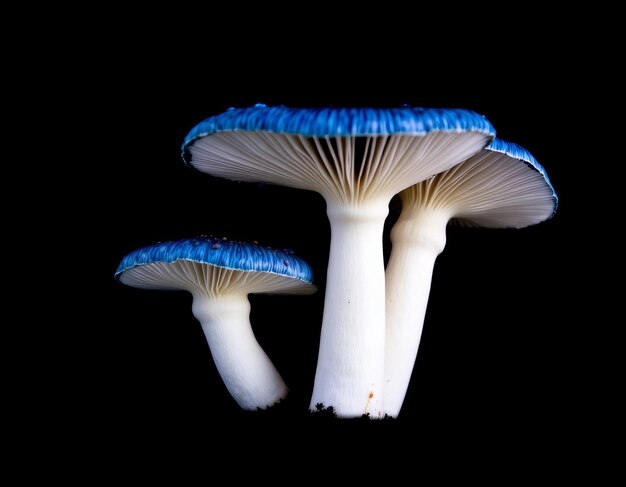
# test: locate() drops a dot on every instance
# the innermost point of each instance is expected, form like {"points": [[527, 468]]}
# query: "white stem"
{"points": [[245, 368], [416, 243], [350, 365]]}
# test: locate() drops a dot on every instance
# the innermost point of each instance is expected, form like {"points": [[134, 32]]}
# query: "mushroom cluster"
{"points": [[443, 163]]}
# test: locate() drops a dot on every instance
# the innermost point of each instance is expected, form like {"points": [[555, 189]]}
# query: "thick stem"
{"points": [[245, 368], [350, 365], [416, 243]]}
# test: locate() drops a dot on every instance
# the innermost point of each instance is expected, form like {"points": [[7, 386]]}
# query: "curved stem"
{"points": [[350, 366], [416, 243], [245, 368]]}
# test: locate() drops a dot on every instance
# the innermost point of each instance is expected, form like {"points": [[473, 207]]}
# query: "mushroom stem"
{"points": [[350, 366], [416, 243], [245, 368]]}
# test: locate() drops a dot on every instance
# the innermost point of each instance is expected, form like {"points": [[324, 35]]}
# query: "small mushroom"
{"points": [[220, 274], [357, 159], [502, 186]]}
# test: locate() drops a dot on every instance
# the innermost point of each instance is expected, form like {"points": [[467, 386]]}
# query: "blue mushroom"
{"points": [[503, 186], [357, 159], [220, 274]]}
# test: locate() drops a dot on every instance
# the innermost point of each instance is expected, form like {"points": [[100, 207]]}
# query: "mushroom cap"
{"points": [[342, 122], [342, 153], [215, 266], [502, 186]]}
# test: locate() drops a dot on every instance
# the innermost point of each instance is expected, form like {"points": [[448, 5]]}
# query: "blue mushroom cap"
{"points": [[221, 253], [517, 152], [339, 122]]}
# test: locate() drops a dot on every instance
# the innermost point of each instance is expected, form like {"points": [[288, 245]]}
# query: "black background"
{"points": [[492, 344], [500, 357]]}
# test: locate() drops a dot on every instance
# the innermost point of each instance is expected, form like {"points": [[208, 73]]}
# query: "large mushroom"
{"points": [[502, 186], [357, 159], [220, 274]]}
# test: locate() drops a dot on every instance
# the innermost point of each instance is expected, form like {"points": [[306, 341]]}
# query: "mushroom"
{"points": [[220, 274], [502, 186], [357, 159]]}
